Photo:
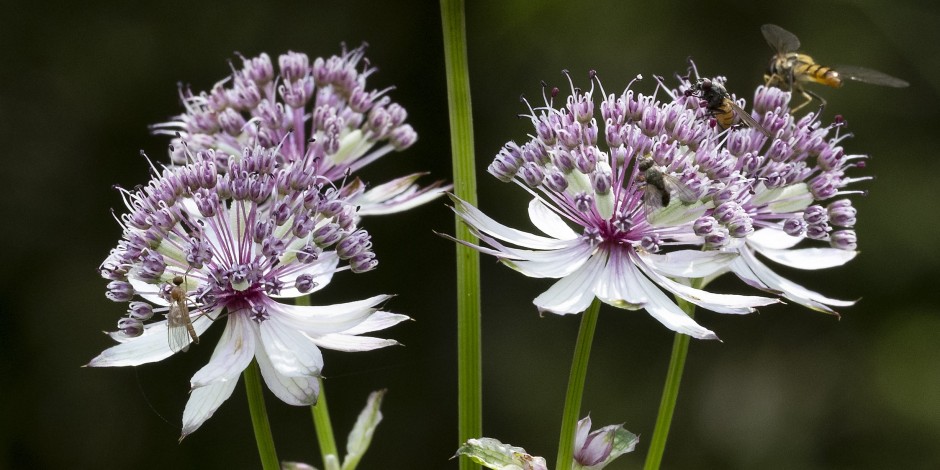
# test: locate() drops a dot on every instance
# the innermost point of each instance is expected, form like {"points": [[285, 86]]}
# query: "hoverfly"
{"points": [[179, 326], [658, 187], [789, 70], [720, 105]]}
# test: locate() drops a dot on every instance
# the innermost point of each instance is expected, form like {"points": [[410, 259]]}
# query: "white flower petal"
{"points": [[379, 320], [789, 289], [689, 264], [149, 292], [297, 391], [475, 218], [669, 314], [618, 285], [793, 198], [352, 343], [232, 354], [203, 402], [548, 263], [152, 346], [320, 320], [721, 303], [549, 222], [291, 353], [397, 195], [574, 292], [809, 258], [322, 271], [678, 213], [774, 238]]}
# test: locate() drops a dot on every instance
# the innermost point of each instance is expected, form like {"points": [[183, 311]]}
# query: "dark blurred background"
{"points": [[788, 388]]}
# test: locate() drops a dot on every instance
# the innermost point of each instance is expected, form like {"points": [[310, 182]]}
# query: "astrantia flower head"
{"points": [[778, 192], [318, 109], [204, 244], [634, 201]]}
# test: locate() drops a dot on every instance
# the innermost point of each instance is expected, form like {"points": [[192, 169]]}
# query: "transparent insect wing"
{"points": [[685, 194], [870, 76], [178, 325], [781, 40], [652, 199], [747, 119]]}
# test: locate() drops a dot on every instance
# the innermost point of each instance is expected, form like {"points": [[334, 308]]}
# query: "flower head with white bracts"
{"points": [[633, 201], [204, 245], [320, 110], [778, 192]]}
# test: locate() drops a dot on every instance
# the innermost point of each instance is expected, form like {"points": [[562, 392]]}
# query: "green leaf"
{"points": [[361, 435], [498, 456]]}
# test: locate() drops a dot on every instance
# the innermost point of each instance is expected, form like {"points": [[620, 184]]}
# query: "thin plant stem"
{"points": [[259, 418], [667, 404], [321, 413], [579, 364], [469, 375], [324, 427]]}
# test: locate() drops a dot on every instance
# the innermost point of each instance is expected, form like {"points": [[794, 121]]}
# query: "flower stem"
{"points": [[324, 427], [321, 413], [667, 405], [579, 363], [259, 418], [469, 376]]}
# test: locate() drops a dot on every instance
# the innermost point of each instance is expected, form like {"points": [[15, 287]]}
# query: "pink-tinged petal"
{"points": [[721, 303], [321, 320], [203, 402], [398, 195], [351, 343], [232, 354], [773, 238], [297, 391], [618, 285], [790, 289], [475, 218], [291, 353], [549, 222], [379, 320], [574, 292], [582, 431], [809, 258], [689, 264], [152, 346], [669, 314], [322, 271]]}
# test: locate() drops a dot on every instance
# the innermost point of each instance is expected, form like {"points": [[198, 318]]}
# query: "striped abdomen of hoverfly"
{"points": [[801, 68]]}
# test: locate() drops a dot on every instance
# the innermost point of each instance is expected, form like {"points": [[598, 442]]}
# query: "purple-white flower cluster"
{"points": [[255, 207], [663, 199]]}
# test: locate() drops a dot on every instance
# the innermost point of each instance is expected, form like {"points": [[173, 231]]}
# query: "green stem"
{"points": [[321, 413], [324, 427], [579, 364], [259, 418], [469, 377], [667, 405]]}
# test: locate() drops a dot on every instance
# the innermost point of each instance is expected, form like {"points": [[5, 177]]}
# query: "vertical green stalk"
{"points": [[324, 427], [259, 418], [469, 377], [579, 363], [321, 413], [667, 404]]}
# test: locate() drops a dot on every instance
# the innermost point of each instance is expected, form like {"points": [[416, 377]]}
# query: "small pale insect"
{"points": [[180, 331]]}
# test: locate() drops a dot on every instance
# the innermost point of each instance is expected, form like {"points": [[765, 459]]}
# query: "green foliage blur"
{"points": [[787, 388]]}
